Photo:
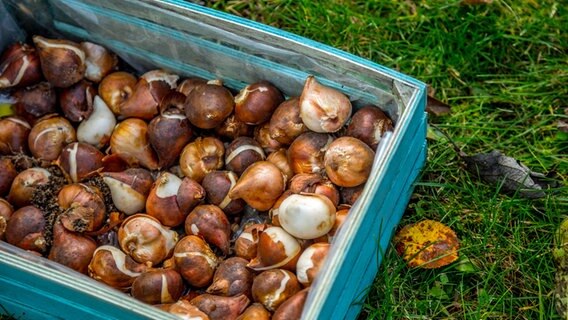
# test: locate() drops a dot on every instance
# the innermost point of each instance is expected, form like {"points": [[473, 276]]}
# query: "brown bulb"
{"points": [[14, 132], [285, 123], [207, 106], [190, 195], [280, 159], [262, 136], [19, 66], [183, 309], [255, 103], [99, 61], [169, 133], [350, 195], [221, 308], [80, 160], [273, 287], [217, 185], [35, 102], [62, 61], [129, 188], [48, 137], [77, 101], [116, 88], [232, 128], [322, 108], [195, 261], [151, 88], [111, 266], [369, 124], [7, 175], [210, 222], [25, 184], [307, 151], [232, 278], [246, 243], [260, 185], [292, 308], [71, 249], [146, 240], [255, 311], [340, 217], [130, 141], [241, 153], [310, 262], [6, 211], [83, 207], [202, 156], [276, 249], [26, 229], [157, 286], [162, 202], [187, 85], [348, 162], [314, 183]]}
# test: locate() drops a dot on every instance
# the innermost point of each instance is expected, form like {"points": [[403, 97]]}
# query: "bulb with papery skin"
{"points": [[306, 153], [71, 249], [256, 102], [195, 261], [14, 132], [116, 88], [151, 88], [348, 162], [77, 101], [211, 223], [6, 211], [260, 185], [25, 184], [98, 60], [34, 102], [7, 175], [129, 189], [232, 278], [322, 108], [97, 129], [273, 287], [184, 310], [310, 262], [275, 249], [217, 185], [255, 311], [247, 242], [221, 308], [112, 266], [202, 156], [314, 183], [306, 216], [369, 124], [26, 229], [80, 160], [130, 141], [83, 207], [292, 308], [62, 61], [146, 240], [285, 123], [207, 106], [19, 66], [157, 286], [162, 202], [49, 136]]}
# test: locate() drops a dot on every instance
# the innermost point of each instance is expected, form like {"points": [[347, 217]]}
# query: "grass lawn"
{"points": [[503, 67]]}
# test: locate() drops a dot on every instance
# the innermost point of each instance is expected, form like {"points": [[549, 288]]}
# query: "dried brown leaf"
{"points": [[427, 244], [437, 107]]}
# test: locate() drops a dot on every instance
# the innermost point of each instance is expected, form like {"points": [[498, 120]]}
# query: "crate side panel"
{"points": [[375, 258], [373, 242]]}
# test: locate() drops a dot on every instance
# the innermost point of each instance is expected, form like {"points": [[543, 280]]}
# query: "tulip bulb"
{"points": [[232, 278], [129, 189], [314, 183], [97, 129], [207, 106], [221, 308], [369, 124], [162, 202], [273, 287], [209, 222], [83, 207], [190, 194], [98, 60], [146, 240], [232, 128], [48, 137], [130, 141], [14, 132], [71, 249], [7, 175], [62, 61], [195, 261], [77, 101], [275, 249], [310, 262], [184, 310], [247, 242], [280, 159], [262, 136], [260, 185], [36, 101], [111, 266], [25, 184], [255, 103], [116, 88], [306, 153], [19, 66], [292, 308], [201, 156], [285, 123], [80, 160], [217, 185], [151, 88], [348, 162], [6, 211], [169, 133], [255, 311], [306, 216], [323, 109], [26, 229], [158, 286]]}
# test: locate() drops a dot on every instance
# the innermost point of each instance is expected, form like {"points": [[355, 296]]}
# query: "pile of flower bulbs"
{"points": [[204, 201]]}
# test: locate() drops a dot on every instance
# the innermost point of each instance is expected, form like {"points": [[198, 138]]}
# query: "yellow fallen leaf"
{"points": [[427, 244]]}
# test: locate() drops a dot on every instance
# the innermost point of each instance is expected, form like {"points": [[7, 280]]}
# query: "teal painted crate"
{"points": [[193, 40]]}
